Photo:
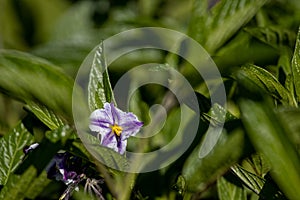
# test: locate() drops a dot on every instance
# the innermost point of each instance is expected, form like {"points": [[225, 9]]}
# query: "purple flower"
{"points": [[114, 126], [73, 171], [64, 167]]}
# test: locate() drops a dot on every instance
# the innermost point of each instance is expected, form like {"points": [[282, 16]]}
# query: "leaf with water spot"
{"points": [[11, 148]]}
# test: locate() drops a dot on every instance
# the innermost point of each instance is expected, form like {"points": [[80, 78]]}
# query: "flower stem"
{"points": [[126, 185]]}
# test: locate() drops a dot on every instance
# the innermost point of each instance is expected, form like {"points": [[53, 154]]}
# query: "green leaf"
{"points": [[201, 172], [296, 67], [29, 78], [229, 191], [247, 49], [166, 128], [103, 154], [268, 137], [99, 88], [274, 36], [11, 147], [290, 118], [252, 181], [214, 27], [267, 82], [62, 133], [47, 116], [217, 116], [179, 186], [258, 165], [284, 63], [17, 185], [37, 185]]}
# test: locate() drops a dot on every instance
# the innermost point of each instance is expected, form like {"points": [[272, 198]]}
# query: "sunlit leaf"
{"points": [[266, 81], [99, 88], [11, 147]]}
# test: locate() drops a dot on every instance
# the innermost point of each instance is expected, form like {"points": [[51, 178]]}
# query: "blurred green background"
{"points": [[65, 31]]}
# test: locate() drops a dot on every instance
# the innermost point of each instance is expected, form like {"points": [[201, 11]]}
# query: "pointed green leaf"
{"points": [[296, 67], [46, 115], [258, 165], [229, 191], [267, 82], [268, 137], [29, 78], [99, 88], [214, 27], [11, 148], [252, 181]]}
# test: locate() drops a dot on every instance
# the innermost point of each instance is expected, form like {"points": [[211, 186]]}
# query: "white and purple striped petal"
{"points": [[103, 120]]}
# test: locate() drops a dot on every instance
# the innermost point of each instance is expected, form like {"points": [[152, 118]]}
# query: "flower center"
{"points": [[116, 129]]}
